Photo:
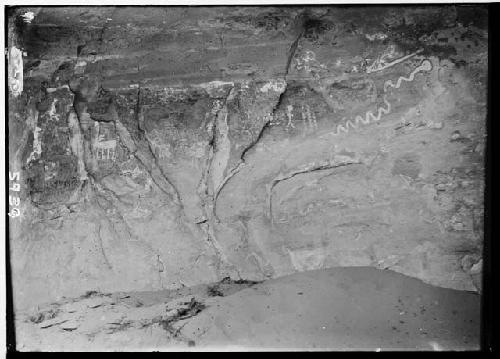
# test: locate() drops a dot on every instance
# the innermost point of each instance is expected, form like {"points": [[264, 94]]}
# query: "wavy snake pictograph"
{"points": [[425, 66]]}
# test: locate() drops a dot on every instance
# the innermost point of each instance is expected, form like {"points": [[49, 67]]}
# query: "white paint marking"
{"points": [[15, 71], [28, 17]]}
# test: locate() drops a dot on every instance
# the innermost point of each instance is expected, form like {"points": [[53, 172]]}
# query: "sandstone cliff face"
{"points": [[164, 147]]}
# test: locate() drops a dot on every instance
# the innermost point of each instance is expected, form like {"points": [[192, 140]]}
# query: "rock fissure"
{"points": [[206, 185], [101, 247], [308, 169], [291, 54], [292, 51], [204, 189], [117, 212], [242, 161], [168, 188]]}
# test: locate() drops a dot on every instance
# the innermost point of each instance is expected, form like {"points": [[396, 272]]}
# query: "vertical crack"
{"points": [[99, 238], [242, 161], [291, 54], [117, 214], [76, 144], [205, 192], [167, 187], [145, 155], [292, 51]]}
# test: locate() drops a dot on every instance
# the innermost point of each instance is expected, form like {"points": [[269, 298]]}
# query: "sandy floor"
{"points": [[354, 308]]}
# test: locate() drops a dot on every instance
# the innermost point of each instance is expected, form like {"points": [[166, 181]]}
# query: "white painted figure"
{"points": [[15, 71], [106, 150]]}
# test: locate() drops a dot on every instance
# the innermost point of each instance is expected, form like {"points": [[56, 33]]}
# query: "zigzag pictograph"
{"points": [[369, 117]]}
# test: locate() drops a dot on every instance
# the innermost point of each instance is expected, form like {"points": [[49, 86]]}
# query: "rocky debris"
{"points": [[146, 313], [42, 316], [339, 308], [228, 286], [73, 307], [184, 310], [94, 314], [69, 325], [51, 322], [95, 302]]}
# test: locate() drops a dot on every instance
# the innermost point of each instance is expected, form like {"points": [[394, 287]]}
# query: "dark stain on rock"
{"points": [[473, 15], [441, 51], [270, 21], [63, 74], [408, 165], [315, 28]]}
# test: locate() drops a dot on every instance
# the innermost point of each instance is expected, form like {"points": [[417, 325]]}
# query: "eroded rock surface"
{"points": [[167, 147]]}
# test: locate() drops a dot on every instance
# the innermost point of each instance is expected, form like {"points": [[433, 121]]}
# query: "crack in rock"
{"points": [[149, 160], [291, 53], [101, 246], [117, 213], [205, 192], [312, 167], [242, 161], [76, 144]]}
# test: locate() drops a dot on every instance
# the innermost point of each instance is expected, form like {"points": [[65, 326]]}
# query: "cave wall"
{"points": [[161, 147]]}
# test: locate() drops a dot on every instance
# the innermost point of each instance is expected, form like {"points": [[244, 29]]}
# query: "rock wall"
{"points": [[162, 147]]}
